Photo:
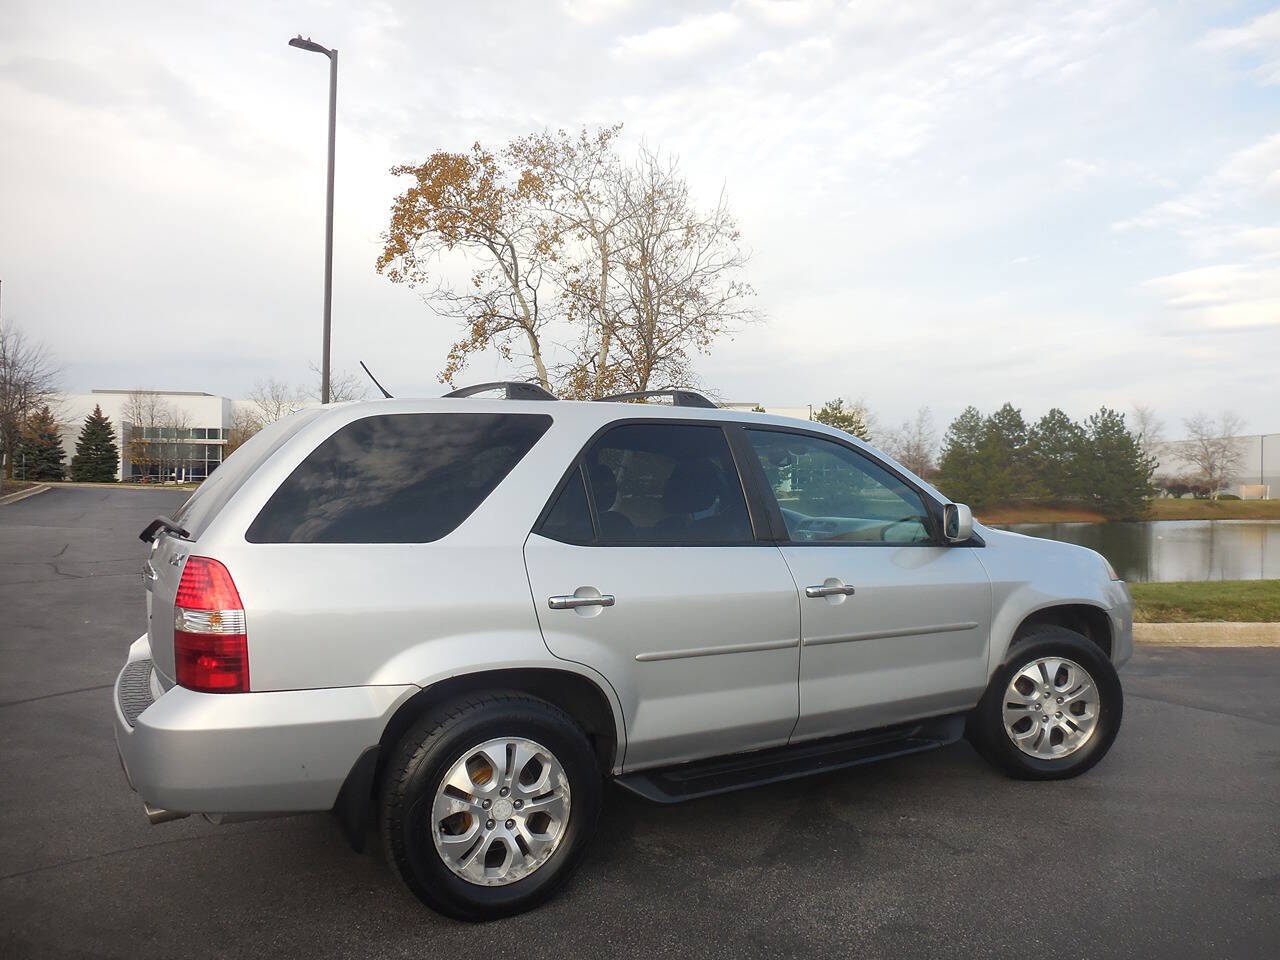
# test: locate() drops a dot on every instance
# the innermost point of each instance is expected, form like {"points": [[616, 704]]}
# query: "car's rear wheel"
{"points": [[1051, 710], [488, 804]]}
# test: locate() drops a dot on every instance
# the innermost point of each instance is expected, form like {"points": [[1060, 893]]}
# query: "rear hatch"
{"points": [[162, 571]]}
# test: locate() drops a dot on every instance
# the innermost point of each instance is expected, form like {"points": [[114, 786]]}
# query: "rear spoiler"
{"points": [[152, 530]]}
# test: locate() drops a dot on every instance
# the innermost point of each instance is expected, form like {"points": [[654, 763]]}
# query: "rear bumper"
{"points": [[270, 752]]}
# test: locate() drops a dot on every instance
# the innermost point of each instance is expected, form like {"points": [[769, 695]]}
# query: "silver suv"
{"points": [[457, 616]]}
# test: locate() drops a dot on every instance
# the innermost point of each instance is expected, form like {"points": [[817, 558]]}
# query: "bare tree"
{"points": [[144, 415], [276, 399], [603, 272], [176, 448], [28, 382], [580, 183], [245, 422], [680, 276], [484, 207], [1150, 431], [343, 386], [914, 443], [1214, 447]]}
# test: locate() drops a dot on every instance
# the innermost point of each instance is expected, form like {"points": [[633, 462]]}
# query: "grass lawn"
{"points": [[1162, 509], [1242, 601], [1030, 513], [1166, 509], [13, 486]]}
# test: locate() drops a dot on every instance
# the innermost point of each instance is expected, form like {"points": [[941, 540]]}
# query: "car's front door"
{"points": [[895, 625], [646, 567]]}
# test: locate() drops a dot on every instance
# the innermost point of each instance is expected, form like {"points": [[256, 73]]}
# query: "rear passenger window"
{"points": [[397, 478], [666, 483]]}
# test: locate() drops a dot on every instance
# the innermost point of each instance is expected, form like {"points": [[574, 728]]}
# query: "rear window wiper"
{"points": [[152, 530]]}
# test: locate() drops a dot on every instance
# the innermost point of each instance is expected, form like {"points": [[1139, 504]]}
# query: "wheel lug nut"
{"points": [[487, 804], [510, 824], [1058, 714], [503, 792], [1059, 699], [1045, 718], [488, 824], [519, 804]]}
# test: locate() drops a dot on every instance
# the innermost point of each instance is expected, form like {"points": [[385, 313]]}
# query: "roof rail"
{"points": [[513, 389], [679, 398]]}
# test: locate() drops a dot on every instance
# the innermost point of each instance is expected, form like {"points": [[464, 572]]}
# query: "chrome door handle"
{"points": [[823, 590], [571, 602]]}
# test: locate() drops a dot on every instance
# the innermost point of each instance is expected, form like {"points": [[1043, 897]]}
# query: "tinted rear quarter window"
{"points": [[397, 478], [569, 519]]}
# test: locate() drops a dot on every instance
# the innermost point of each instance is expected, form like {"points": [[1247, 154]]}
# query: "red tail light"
{"points": [[211, 650]]}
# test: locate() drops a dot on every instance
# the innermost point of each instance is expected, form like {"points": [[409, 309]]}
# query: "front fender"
{"points": [[1029, 575]]}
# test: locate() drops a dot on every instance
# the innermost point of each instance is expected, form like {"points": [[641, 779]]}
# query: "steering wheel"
{"points": [[889, 526]]}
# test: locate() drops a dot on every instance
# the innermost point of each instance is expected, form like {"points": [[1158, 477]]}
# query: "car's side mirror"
{"points": [[957, 522]]}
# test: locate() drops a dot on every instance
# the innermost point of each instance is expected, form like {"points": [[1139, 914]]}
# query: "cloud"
{"points": [[592, 11], [691, 35], [1260, 36], [1228, 296], [1229, 213], [146, 97], [1041, 181], [786, 13]]}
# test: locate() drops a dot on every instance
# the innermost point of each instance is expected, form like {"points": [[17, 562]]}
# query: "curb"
{"points": [[23, 494], [1208, 634], [119, 485]]}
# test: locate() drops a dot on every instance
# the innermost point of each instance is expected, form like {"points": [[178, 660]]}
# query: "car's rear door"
{"points": [[895, 624], [646, 567]]}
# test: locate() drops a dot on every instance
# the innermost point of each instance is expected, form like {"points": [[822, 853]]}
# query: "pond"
{"points": [[1160, 550]]}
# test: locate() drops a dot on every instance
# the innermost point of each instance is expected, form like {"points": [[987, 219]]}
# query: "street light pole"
{"points": [[309, 44]]}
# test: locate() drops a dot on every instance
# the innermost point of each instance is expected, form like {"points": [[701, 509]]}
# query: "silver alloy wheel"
{"points": [[1051, 708], [501, 811]]}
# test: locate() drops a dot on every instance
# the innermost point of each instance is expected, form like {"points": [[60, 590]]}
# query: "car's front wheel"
{"points": [[488, 804], [1051, 710]]}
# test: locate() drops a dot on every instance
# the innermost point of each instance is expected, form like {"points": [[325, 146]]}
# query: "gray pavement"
{"points": [[1170, 848]]}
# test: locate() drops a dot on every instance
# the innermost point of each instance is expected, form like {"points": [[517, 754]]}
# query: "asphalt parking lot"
{"points": [[1170, 848]]}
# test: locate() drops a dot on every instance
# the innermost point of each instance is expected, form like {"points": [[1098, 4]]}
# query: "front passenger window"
{"points": [[829, 493], [666, 483]]}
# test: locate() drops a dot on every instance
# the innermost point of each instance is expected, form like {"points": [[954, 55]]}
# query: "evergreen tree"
{"points": [[97, 456], [1113, 470], [41, 450], [851, 418], [960, 467], [1006, 474], [1055, 446]]}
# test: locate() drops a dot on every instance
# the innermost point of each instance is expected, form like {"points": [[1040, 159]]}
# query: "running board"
{"points": [[705, 778]]}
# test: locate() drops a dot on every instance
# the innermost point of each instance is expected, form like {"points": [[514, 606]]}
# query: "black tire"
{"points": [[424, 756], [985, 728]]}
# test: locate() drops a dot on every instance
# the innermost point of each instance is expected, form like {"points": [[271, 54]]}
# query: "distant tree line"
{"points": [[28, 385], [41, 456], [999, 459]]}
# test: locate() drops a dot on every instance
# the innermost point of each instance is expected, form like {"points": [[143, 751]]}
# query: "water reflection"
{"points": [[1176, 549]]}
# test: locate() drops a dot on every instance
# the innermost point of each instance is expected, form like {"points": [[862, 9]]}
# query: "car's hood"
{"points": [[1053, 551]]}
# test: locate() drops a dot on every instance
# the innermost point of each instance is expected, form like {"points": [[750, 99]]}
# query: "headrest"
{"points": [[692, 487]]}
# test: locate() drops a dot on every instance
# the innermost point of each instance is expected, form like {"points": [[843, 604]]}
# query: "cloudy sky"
{"points": [[1068, 204]]}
